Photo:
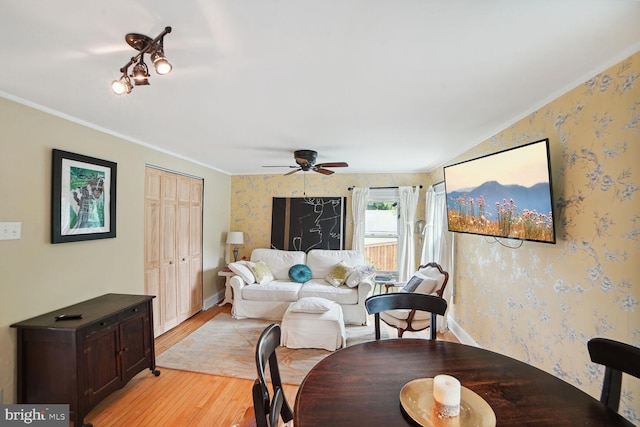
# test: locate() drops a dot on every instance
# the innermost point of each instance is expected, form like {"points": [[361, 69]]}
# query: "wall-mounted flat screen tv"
{"points": [[505, 194]]}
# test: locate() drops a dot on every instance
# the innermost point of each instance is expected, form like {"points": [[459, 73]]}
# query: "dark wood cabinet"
{"points": [[80, 362]]}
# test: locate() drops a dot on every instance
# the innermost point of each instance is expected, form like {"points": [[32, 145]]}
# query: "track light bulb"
{"points": [[122, 86], [160, 63], [163, 66], [140, 73]]}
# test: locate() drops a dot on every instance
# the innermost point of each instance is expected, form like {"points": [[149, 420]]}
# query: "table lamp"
{"points": [[235, 238]]}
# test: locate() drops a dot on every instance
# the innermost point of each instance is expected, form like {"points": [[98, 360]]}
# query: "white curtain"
{"points": [[359, 200], [408, 206], [439, 242]]}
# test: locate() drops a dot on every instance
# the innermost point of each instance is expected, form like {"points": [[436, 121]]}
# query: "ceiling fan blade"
{"points": [[323, 171], [270, 166], [292, 172], [333, 165]]}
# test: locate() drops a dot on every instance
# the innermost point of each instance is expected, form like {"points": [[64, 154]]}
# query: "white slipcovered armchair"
{"points": [[430, 279]]}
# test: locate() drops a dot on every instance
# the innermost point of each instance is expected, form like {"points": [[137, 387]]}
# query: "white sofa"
{"points": [[271, 300]]}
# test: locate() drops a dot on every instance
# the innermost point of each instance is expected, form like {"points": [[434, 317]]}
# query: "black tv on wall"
{"points": [[505, 194]]}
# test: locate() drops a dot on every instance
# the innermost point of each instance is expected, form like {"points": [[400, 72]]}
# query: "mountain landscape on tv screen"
{"points": [[535, 198]]}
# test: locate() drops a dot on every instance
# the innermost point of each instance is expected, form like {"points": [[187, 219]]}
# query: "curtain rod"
{"points": [[384, 188]]}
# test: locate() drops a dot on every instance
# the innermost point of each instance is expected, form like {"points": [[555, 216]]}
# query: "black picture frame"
{"points": [[83, 198], [305, 223]]}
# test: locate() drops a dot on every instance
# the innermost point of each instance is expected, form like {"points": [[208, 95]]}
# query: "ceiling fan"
{"points": [[306, 160]]}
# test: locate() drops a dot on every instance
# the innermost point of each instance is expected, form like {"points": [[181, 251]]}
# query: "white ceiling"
{"points": [[387, 86]]}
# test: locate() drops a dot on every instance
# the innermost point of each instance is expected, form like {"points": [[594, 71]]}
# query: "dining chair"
{"points": [[269, 409], [617, 357], [415, 302]]}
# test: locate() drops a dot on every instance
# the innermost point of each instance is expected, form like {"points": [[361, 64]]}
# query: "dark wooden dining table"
{"points": [[360, 386]]}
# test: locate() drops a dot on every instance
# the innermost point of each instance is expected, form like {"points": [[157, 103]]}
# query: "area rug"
{"points": [[226, 346]]}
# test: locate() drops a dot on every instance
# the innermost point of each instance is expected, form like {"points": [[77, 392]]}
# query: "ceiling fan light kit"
{"points": [[306, 161], [140, 73]]}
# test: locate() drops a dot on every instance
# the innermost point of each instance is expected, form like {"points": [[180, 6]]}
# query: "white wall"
{"points": [[37, 276]]}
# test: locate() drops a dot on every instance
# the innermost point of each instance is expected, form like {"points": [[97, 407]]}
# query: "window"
{"points": [[382, 231]]}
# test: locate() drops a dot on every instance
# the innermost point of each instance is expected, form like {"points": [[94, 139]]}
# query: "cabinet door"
{"points": [[136, 342], [103, 370]]}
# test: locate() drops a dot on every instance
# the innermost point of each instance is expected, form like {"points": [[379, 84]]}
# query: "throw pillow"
{"points": [[359, 274], [261, 271], [300, 273], [413, 283], [242, 269], [427, 286], [312, 305], [338, 274]]}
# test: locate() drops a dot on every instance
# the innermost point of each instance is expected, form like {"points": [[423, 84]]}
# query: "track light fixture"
{"points": [[140, 73]]}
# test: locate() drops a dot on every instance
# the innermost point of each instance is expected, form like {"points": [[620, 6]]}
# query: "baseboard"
{"points": [[212, 300], [460, 333]]}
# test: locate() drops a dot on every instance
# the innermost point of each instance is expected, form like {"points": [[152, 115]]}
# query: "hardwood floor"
{"points": [[181, 398]]}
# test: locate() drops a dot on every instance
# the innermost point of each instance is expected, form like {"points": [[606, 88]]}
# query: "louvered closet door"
{"points": [[179, 242], [152, 202]]}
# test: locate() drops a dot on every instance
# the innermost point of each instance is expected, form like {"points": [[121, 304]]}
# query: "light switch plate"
{"points": [[10, 230]]}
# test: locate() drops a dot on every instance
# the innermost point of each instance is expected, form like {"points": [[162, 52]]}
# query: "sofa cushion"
{"points": [[262, 272], [299, 273], [277, 290], [312, 305], [320, 288], [321, 261], [279, 262], [360, 273], [338, 274], [242, 269]]}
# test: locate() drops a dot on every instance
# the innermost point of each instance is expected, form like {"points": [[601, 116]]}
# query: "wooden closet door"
{"points": [[173, 246], [184, 245], [152, 202], [195, 240], [169, 251]]}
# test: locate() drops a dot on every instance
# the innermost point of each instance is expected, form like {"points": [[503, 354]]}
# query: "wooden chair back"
{"points": [[267, 408], [617, 358], [406, 300]]}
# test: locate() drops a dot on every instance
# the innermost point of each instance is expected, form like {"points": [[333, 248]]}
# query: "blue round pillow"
{"points": [[300, 273]]}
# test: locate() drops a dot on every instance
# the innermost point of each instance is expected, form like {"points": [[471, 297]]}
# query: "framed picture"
{"points": [[305, 223], [83, 204]]}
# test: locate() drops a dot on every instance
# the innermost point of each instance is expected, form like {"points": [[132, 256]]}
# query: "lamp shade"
{"points": [[235, 238]]}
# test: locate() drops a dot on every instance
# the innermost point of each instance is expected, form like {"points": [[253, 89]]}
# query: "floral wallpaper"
{"points": [[541, 303]]}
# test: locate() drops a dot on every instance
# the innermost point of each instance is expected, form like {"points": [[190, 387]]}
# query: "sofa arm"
{"points": [[237, 284], [365, 288]]}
